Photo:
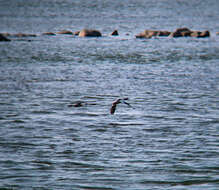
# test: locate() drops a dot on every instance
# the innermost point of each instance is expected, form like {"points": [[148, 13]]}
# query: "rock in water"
{"points": [[185, 32], [181, 32], [115, 33], [49, 33], [65, 32], [89, 33], [151, 33], [3, 38], [76, 33]]}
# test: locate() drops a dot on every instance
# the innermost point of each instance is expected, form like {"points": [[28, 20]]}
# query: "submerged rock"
{"points": [[24, 35], [3, 38], [151, 33], [49, 33], [19, 35], [146, 34], [77, 104], [65, 32], [89, 33]]}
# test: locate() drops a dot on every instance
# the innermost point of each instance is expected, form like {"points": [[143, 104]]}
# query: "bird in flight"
{"points": [[118, 101]]}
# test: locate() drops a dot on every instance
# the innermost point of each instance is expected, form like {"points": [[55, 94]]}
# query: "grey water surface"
{"points": [[168, 140]]}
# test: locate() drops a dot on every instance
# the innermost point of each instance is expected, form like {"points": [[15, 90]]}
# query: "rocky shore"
{"points": [[147, 34]]}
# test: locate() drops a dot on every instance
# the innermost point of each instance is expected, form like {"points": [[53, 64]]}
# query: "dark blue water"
{"points": [[169, 139]]}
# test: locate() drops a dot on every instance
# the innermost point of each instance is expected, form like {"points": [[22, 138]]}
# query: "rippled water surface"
{"points": [[168, 139]]}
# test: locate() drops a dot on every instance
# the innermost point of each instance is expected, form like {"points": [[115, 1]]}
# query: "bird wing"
{"points": [[113, 109], [126, 103]]}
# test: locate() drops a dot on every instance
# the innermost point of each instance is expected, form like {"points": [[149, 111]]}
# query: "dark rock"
{"points": [[185, 32], [18, 35], [76, 33], [3, 38], [24, 35], [65, 32], [181, 32], [164, 33], [115, 33], [204, 34], [49, 33], [89, 33], [5, 34]]}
